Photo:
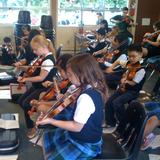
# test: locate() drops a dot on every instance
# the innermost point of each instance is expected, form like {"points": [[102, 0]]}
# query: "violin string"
{"points": [[58, 103]]}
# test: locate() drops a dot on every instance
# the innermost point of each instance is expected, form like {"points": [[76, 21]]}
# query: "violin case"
{"points": [[9, 140]]}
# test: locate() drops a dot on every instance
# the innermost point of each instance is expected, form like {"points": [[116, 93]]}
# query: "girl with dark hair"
{"points": [[104, 25], [49, 97]]}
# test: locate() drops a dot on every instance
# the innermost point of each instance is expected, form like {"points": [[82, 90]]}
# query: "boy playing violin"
{"points": [[123, 21], [130, 85], [100, 42], [117, 51]]}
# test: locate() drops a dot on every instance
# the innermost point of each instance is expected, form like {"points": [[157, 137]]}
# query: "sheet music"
{"points": [[9, 124], [9, 157], [5, 87], [5, 94], [154, 157], [5, 75]]}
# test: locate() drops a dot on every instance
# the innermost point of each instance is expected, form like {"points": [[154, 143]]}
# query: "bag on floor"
{"points": [[9, 140], [17, 91]]}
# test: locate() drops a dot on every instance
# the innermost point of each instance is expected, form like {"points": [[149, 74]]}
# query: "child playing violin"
{"points": [[104, 25], [8, 53], [48, 98], [42, 48], [130, 85], [81, 136], [26, 59], [28, 55], [151, 42], [116, 52], [100, 44], [23, 41], [123, 21]]}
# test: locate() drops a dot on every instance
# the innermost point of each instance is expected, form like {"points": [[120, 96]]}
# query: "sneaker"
{"points": [[148, 141], [32, 133], [103, 125], [109, 129]]}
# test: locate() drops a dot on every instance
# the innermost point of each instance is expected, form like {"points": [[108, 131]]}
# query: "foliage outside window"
{"points": [[75, 12], [9, 10]]}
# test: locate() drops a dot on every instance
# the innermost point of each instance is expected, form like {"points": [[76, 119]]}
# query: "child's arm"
{"points": [[156, 44], [78, 121], [110, 69], [43, 74], [102, 51], [137, 78], [132, 83], [66, 125]]}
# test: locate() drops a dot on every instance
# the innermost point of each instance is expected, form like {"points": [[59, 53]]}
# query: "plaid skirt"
{"points": [[58, 145]]}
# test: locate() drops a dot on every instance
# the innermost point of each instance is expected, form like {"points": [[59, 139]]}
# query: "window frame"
{"points": [[82, 9], [29, 8]]}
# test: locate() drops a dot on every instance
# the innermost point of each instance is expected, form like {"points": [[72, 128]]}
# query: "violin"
{"points": [[127, 19], [113, 33], [150, 36], [129, 74], [108, 57], [32, 69], [113, 51], [64, 102], [53, 91], [59, 106]]}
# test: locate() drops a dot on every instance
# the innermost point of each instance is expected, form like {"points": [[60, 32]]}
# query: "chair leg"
{"points": [[151, 74]]}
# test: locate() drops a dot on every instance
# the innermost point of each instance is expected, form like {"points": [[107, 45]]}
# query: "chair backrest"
{"points": [[131, 128], [129, 41], [58, 51]]}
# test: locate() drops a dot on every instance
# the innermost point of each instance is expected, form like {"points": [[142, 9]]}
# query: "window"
{"points": [[9, 10], [87, 12]]}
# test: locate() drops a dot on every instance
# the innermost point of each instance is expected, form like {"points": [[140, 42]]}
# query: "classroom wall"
{"points": [[5, 30]]}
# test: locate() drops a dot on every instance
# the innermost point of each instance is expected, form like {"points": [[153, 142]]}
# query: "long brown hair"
{"points": [[40, 40], [86, 68]]}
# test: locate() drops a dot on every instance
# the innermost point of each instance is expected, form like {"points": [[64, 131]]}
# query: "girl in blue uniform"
{"points": [[81, 136]]}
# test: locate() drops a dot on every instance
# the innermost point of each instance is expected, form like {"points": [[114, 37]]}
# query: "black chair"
{"points": [[58, 51], [125, 142], [129, 41], [154, 64]]}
